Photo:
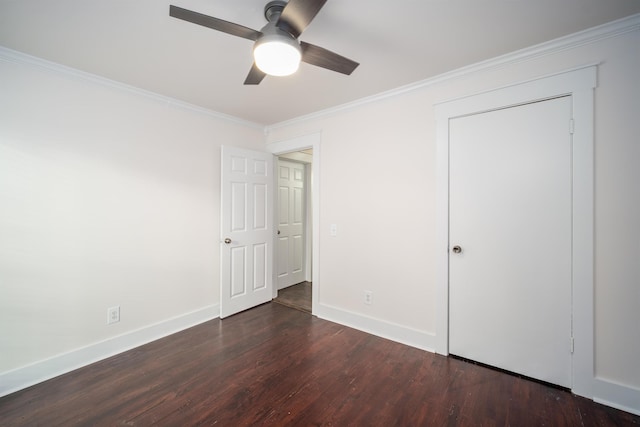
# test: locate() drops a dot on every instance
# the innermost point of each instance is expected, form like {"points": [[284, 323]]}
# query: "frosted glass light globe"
{"points": [[277, 56]]}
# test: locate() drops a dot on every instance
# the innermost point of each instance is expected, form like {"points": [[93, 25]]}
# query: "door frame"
{"points": [[296, 144], [579, 83]]}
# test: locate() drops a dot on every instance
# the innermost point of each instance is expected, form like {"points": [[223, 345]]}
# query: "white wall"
{"points": [[378, 186], [108, 197]]}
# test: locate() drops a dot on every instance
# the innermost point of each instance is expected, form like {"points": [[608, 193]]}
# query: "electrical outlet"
{"points": [[113, 315], [368, 297], [333, 230]]}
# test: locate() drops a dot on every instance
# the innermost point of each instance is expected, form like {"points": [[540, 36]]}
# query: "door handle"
{"points": [[227, 241], [278, 232], [456, 249]]}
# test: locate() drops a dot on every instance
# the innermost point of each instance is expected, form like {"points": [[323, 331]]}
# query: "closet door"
{"points": [[510, 239]]}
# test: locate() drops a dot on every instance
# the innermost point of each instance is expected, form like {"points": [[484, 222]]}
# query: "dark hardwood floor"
{"points": [[272, 365], [296, 296]]}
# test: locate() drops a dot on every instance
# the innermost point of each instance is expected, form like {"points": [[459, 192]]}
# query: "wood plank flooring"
{"points": [[276, 366], [296, 296]]}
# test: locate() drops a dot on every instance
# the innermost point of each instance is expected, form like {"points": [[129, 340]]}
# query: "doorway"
{"points": [[293, 263], [308, 146], [249, 223]]}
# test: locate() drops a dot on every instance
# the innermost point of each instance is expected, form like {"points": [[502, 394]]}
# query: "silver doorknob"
{"points": [[456, 249], [227, 241]]}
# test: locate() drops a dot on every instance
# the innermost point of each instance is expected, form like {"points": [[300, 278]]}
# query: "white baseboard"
{"points": [[617, 396], [394, 332], [35, 373], [606, 392]]}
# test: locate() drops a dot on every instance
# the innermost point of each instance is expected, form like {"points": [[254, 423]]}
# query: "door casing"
{"points": [[579, 84]]}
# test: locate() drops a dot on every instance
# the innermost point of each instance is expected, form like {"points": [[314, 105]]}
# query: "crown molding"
{"points": [[589, 36], [585, 37], [10, 55]]}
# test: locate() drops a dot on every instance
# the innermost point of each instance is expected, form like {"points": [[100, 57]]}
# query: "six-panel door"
{"points": [[291, 230], [246, 229]]}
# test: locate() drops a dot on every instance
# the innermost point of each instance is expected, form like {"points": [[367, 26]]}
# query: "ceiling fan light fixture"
{"points": [[276, 49], [277, 54]]}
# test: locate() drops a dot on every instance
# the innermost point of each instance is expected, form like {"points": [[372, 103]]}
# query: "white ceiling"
{"points": [[396, 42]]}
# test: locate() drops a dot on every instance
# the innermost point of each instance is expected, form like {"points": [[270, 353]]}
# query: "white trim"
{"points": [[301, 143], [579, 83], [43, 370], [617, 396], [592, 35], [392, 331], [519, 85], [9, 55], [308, 217]]}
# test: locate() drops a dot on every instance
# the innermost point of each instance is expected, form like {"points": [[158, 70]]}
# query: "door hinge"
{"points": [[572, 126], [572, 345]]}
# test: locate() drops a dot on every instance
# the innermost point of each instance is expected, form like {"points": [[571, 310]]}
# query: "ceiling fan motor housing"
{"points": [[273, 10], [271, 33]]}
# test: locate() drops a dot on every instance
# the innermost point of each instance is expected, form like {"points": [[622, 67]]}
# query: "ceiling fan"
{"points": [[277, 50]]}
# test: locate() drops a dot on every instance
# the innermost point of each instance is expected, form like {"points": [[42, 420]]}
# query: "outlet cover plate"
{"points": [[368, 297], [113, 315]]}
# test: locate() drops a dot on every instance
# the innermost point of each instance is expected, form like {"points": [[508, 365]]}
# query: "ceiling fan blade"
{"points": [[297, 15], [321, 57], [215, 23], [255, 76]]}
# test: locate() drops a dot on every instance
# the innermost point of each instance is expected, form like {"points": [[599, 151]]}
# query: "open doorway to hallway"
{"points": [[293, 263]]}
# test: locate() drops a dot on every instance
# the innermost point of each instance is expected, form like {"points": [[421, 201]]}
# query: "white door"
{"points": [[510, 214], [291, 230], [246, 230]]}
